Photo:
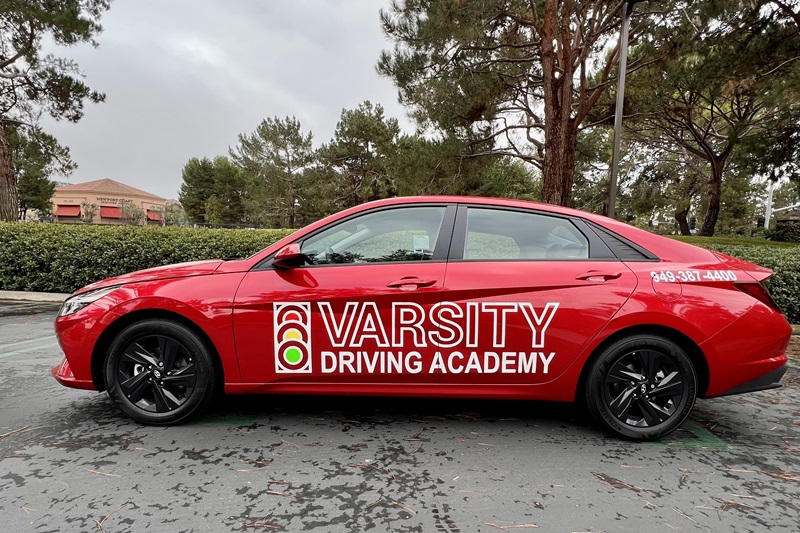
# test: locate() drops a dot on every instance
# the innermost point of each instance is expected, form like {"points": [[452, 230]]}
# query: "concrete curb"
{"points": [[54, 297]]}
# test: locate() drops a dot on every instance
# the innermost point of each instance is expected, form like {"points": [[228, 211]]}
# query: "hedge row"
{"points": [[63, 258]]}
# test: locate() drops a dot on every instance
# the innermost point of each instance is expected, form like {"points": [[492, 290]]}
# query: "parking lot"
{"points": [[70, 461]]}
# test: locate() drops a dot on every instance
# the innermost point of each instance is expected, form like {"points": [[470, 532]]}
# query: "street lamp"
{"points": [[623, 65]]}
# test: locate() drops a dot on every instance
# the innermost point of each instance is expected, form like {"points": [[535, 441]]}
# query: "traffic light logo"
{"points": [[293, 338]]}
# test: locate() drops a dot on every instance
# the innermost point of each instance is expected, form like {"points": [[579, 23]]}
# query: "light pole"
{"points": [[623, 65]]}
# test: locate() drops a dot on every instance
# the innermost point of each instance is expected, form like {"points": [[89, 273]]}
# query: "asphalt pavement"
{"points": [[70, 461]]}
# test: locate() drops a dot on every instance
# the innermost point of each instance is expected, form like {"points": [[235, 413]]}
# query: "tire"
{"points": [[641, 387], [160, 372]]}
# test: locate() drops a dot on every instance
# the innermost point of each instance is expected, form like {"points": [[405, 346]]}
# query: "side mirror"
{"points": [[289, 257]]}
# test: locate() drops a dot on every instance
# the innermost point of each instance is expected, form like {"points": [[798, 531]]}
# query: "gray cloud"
{"points": [[183, 78]]}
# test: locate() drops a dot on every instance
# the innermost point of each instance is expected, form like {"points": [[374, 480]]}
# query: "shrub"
{"points": [[63, 258], [786, 231]]}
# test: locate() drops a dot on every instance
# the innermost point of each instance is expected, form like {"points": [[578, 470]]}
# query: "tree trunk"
{"points": [[560, 128], [8, 183], [683, 223], [561, 137], [714, 198]]}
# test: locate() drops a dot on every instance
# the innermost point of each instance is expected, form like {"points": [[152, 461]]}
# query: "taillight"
{"points": [[759, 292]]}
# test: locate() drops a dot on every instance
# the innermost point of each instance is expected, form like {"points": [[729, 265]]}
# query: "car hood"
{"points": [[179, 270]]}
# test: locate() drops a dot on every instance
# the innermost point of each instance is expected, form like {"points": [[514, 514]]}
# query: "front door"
{"points": [[358, 312]]}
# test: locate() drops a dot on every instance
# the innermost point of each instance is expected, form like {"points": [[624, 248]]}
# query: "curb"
{"points": [[21, 296]]}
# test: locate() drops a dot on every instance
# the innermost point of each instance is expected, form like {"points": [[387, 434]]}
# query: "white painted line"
{"points": [[28, 341], [31, 349]]}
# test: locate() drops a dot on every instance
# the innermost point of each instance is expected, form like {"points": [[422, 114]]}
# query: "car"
{"points": [[437, 296]]}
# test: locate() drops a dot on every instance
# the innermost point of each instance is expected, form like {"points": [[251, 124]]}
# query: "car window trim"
{"points": [[601, 232], [440, 253], [598, 249]]}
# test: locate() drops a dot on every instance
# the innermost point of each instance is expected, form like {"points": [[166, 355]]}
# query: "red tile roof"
{"points": [[108, 186]]}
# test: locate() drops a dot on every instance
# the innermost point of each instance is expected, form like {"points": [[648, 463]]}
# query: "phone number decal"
{"points": [[692, 275]]}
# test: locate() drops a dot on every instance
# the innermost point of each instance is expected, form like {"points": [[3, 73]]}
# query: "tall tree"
{"points": [[360, 151], [35, 157], [523, 74], [723, 79], [213, 191], [276, 155], [197, 188], [31, 82]]}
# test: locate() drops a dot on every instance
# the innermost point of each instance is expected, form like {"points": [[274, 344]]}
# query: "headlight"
{"points": [[76, 303]]}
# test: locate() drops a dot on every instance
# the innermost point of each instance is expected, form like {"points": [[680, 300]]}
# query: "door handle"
{"points": [[594, 275], [411, 282]]}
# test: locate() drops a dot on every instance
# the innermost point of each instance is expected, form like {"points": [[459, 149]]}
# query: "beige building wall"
{"points": [[108, 197]]}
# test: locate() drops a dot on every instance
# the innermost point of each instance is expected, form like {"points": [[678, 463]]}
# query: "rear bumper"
{"points": [[769, 380], [63, 374]]}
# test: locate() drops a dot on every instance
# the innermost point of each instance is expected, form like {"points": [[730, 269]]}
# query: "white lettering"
{"points": [[546, 361], [438, 364], [499, 320], [337, 332], [328, 362], [369, 326], [538, 323], [449, 333], [408, 317], [473, 363], [450, 363], [415, 366], [495, 362], [526, 363]]}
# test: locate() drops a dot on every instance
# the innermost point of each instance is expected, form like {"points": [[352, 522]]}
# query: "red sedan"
{"points": [[437, 296]]}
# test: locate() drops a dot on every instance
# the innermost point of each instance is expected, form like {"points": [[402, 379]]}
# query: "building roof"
{"points": [[108, 186]]}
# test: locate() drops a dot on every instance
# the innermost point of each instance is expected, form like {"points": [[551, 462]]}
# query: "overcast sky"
{"points": [[184, 77]]}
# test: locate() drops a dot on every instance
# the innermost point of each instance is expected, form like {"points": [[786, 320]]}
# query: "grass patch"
{"points": [[711, 242]]}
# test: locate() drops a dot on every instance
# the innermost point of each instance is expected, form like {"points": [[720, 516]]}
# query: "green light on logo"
{"points": [[292, 355]]}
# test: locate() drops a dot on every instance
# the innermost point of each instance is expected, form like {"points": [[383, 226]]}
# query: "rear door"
{"points": [[529, 290]]}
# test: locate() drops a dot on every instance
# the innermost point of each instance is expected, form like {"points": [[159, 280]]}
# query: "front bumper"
{"points": [[63, 374]]}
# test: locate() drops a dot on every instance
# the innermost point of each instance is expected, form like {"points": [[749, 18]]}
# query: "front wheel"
{"points": [[641, 387], [159, 372]]}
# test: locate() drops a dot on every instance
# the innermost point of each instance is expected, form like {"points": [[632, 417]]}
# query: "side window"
{"points": [[497, 234], [401, 234]]}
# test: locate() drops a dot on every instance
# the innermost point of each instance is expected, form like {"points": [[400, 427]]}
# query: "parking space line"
{"points": [[30, 349]]}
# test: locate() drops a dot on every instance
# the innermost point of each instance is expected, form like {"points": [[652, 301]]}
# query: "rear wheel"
{"points": [[159, 372], [641, 387]]}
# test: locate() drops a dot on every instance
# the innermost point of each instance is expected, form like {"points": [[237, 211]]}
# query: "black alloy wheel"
{"points": [[159, 371], [641, 387]]}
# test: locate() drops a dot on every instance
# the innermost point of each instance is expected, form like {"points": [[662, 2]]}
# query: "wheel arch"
{"points": [[103, 343], [687, 344]]}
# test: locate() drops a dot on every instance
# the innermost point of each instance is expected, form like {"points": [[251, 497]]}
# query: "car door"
{"points": [[534, 288], [357, 312]]}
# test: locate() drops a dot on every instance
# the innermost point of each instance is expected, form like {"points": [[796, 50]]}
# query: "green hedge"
{"points": [[786, 231], [65, 257], [62, 257]]}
